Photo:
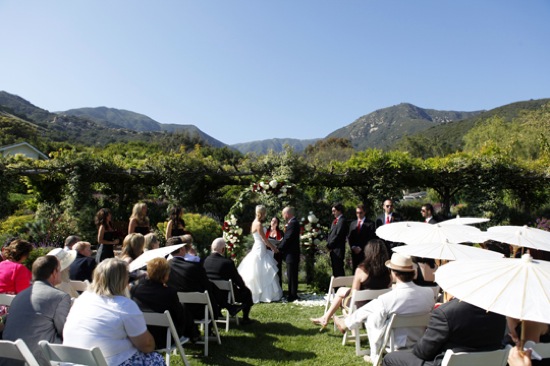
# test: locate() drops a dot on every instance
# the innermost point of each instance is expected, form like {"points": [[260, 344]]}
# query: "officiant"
{"points": [[275, 235]]}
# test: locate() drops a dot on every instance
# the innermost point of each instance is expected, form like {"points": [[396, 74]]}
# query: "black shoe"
{"points": [[234, 309], [292, 298]]}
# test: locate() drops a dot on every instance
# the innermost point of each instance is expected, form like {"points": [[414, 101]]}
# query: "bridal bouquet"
{"points": [[232, 234], [273, 187]]}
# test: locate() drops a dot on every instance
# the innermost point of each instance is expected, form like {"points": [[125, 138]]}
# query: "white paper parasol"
{"points": [[515, 287], [396, 231], [464, 221], [437, 234], [447, 251], [523, 236], [153, 253]]}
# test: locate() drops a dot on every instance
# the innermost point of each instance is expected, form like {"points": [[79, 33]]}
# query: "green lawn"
{"points": [[281, 335]]}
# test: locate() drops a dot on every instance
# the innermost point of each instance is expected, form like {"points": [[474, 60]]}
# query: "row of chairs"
{"points": [[395, 321], [154, 319]]}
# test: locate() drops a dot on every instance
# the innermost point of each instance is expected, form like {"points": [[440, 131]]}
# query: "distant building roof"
{"points": [[23, 148]]}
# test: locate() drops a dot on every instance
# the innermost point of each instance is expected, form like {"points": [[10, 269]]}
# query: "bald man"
{"points": [[220, 268]]}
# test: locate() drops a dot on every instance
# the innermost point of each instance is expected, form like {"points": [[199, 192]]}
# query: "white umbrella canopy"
{"points": [[396, 231], [447, 251], [523, 236], [464, 221], [515, 287], [153, 253], [438, 233]]}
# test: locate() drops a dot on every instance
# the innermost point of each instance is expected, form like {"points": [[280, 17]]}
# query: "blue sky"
{"points": [[244, 70]]}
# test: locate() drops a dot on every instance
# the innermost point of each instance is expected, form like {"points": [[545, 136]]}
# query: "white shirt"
{"points": [[104, 322], [405, 298]]}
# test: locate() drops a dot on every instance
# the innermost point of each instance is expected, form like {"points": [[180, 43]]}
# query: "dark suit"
{"points": [[454, 325], [218, 267], [290, 248], [191, 277], [431, 221], [381, 220], [336, 243], [360, 238], [82, 268], [154, 296]]}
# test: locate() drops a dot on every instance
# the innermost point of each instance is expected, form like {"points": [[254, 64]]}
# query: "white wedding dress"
{"points": [[259, 272]]}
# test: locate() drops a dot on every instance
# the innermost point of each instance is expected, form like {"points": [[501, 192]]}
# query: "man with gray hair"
{"points": [[83, 266], [220, 268]]}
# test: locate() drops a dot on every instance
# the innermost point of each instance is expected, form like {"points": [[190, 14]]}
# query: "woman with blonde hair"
{"points": [[132, 247], [105, 317], [139, 222], [151, 242], [259, 269]]}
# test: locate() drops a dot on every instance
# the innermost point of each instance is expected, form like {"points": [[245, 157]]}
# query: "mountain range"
{"points": [[382, 128]]}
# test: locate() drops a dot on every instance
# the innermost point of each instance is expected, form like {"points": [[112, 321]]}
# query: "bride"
{"points": [[259, 269]]}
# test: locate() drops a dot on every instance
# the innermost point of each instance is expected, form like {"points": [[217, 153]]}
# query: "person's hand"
{"points": [[519, 358]]}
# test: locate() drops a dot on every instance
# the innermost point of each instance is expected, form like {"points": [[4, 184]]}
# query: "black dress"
{"points": [[106, 250], [143, 230]]}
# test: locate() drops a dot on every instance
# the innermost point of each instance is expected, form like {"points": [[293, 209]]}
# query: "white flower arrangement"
{"points": [[232, 234], [273, 187]]}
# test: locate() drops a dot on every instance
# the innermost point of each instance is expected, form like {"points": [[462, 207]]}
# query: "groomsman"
{"points": [[360, 232], [336, 242], [427, 212], [388, 217]]}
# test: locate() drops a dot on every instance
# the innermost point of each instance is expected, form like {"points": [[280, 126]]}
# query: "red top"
{"points": [[14, 277], [279, 235]]}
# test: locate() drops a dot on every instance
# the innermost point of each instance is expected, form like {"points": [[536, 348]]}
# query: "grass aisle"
{"points": [[281, 335]]}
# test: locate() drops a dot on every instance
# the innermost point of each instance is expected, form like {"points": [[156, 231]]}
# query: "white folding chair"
{"points": [[58, 354], [80, 286], [335, 282], [543, 349], [165, 320], [357, 297], [492, 358], [6, 299], [227, 286], [400, 321], [17, 350], [204, 299]]}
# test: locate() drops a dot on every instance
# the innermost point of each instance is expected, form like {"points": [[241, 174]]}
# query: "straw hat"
{"points": [[65, 257], [400, 262]]}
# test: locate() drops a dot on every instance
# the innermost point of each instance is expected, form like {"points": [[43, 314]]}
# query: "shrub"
{"points": [[322, 272], [38, 251], [15, 225]]}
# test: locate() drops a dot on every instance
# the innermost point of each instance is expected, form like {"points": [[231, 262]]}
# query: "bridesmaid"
{"points": [[176, 225], [107, 237], [139, 222]]}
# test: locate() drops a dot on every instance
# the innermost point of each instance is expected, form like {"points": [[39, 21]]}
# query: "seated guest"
{"points": [[14, 276], [152, 294], [454, 325], [84, 264], [132, 247], [39, 312], [405, 298], [105, 317], [151, 242], [534, 331], [191, 254], [425, 272], [66, 258], [70, 241], [186, 276], [372, 274], [218, 267]]}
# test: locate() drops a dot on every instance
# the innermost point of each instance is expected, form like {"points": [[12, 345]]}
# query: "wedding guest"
{"points": [[152, 294], [107, 237], [39, 312], [151, 242], [83, 266], [139, 222], [14, 276], [70, 241], [176, 225], [105, 317], [132, 247], [65, 258], [336, 241], [191, 254], [274, 232], [371, 274]]}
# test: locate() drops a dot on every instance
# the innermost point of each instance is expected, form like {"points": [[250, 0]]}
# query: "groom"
{"points": [[290, 249]]}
